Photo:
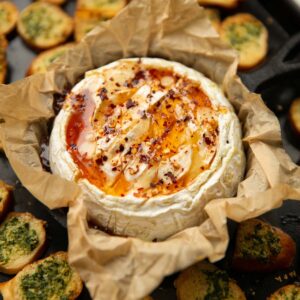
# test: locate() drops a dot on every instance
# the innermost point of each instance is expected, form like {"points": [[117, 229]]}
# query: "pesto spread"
{"points": [[293, 294], [218, 285], [39, 23], [16, 239], [49, 280], [261, 243], [240, 34]]}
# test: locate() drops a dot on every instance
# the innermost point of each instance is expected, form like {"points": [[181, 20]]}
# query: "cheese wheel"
{"points": [[151, 142]]}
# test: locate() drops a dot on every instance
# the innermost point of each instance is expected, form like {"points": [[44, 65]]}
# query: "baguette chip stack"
{"points": [[91, 13]]}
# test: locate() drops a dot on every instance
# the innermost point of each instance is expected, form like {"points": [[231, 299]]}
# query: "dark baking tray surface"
{"points": [[278, 97]]}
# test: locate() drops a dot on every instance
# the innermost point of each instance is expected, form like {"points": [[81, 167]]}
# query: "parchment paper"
{"points": [[120, 268]]}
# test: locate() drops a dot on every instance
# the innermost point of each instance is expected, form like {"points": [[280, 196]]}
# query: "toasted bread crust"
{"points": [[201, 280], [11, 289], [214, 16], [103, 7], [284, 258], [288, 292], [13, 267], [221, 3], [248, 36], [6, 196], [294, 116], [9, 17], [44, 59], [57, 25], [56, 2], [85, 21], [3, 60]]}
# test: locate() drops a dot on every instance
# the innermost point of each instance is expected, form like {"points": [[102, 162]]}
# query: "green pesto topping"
{"points": [[50, 279], [262, 243], [16, 239], [240, 34], [218, 285], [39, 22], [293, 294]]}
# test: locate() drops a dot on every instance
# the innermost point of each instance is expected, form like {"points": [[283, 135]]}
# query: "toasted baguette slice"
{"points": [[205, 281], [5, 198], [107, 8], [214, 17], [43, 25], [8, 17], [261, 247], [55, 2], [248, 36], [22, 240], [49, 279], [3, 60], [220, 3], [85, 21], [288, 292], [41, 63], [294, 116]]}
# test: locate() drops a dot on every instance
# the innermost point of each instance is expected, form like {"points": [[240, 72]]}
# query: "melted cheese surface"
{"points": [[140, 130]]}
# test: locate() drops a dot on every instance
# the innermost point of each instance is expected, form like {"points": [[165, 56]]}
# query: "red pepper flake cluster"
{"points": [[166, 133], [102, 93], [130, 104]]}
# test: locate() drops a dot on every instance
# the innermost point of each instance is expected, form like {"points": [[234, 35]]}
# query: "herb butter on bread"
{"points": [[5, 198], [288, 292], [205, 281], [43, 25], [8, 16], [22, 240], [41, 63], [51, 278], [261, 247], [248, 36]]}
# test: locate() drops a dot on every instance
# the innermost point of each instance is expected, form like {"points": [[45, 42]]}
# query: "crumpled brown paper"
{"points": [[120, 268]]}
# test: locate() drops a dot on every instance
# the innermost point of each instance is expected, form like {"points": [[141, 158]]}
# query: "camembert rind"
{"points": [[163, 214]]}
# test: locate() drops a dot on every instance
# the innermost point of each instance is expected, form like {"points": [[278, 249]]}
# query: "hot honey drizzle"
{"points": [[175, 123]]}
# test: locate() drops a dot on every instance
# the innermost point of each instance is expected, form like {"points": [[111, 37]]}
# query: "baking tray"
{"points": [[282, 65]]}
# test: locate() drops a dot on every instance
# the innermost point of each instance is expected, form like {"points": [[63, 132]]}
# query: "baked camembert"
{"points": [[151, 142]]}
